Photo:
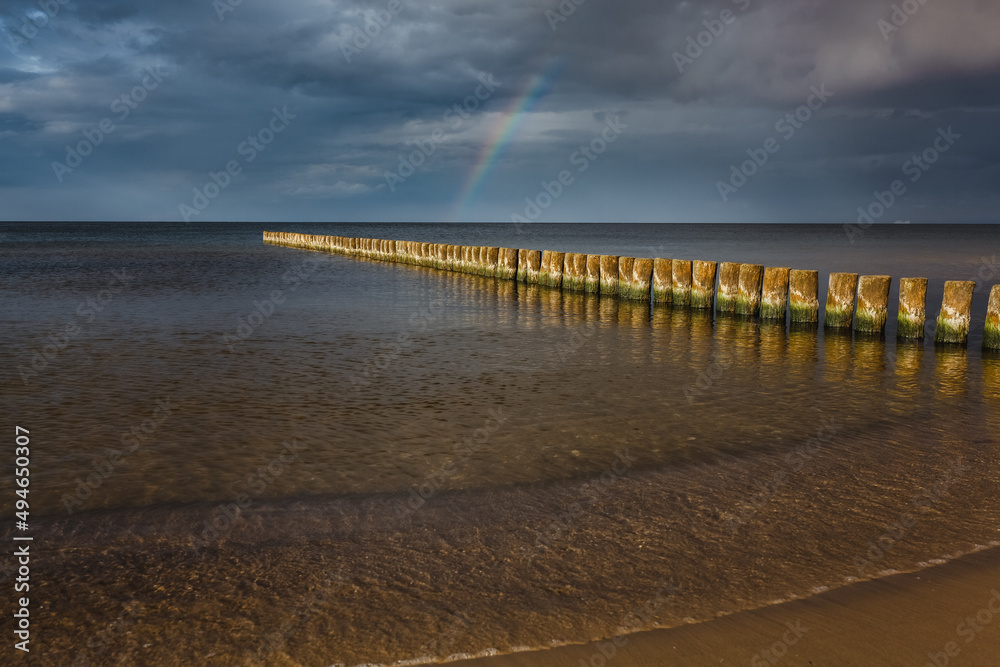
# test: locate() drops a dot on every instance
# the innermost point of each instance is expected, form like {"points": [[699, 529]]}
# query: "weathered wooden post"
{"points": [[956, 312], [803, 296], [873, 304], [991, 336], [533, 266], [636, 288], [609, 275], [593, 282], [552, 273], [681, 283], [751, 284], [492, 261], [840, 300], [912, 308], [729, 287], [774, 296], [624, 275], [574, 272], [663, 280], [703, 284], [507, 263]]}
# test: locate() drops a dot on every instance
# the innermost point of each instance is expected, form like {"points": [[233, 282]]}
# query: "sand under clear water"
{"points": [[400, 463]]}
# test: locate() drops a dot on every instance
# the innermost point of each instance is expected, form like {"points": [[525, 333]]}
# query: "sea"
{"points": [[247, 454]]}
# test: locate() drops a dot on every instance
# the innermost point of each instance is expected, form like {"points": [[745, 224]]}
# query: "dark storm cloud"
{"points": [[697, 84]]}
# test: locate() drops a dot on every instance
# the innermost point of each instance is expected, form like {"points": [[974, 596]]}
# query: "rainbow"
{"points": [[502, 132]]}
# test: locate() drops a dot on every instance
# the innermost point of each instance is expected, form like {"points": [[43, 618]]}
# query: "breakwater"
{"points": [[854, 302]]}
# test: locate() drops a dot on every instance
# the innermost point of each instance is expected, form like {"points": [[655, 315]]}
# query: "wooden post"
{"points": [[507, 263], [729, 287], [609, 275], [774, 298], [593, 282], [533, 266], [803, 296], [956, 312], [912, 308], [552, 274], [663, 280], [636, 288], [840, 300], [522, 265], [991, 336], [751, 283], [873, 304], [492, 261], [681, 283], [574, 272], [703, 284]]}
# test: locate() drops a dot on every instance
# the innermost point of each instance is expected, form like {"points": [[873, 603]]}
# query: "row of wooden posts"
{"points": [[770, 293]]}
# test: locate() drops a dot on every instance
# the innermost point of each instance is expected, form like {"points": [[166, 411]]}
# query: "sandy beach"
{"points": [[943, 615]]}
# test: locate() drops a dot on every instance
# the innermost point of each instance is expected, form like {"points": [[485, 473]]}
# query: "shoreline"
{"points": [[948, 612]]}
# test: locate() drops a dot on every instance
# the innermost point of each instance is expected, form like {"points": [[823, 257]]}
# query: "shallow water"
{"points": [[474, 464]]}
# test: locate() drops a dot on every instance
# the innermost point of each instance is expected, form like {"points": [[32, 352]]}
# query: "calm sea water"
{"points": [[244, 452]]}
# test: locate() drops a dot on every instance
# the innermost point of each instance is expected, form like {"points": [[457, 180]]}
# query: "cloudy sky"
{"points": [[658, 111]]}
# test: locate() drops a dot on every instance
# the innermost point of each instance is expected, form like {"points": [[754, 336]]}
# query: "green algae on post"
{"points": [[532, 266], [774, 295], [873, 304], [506, 263], [636, 287], [522, 265], [609, 275], [729, 287], [663, 280], [751, 283], [840, 300], [592, 283], [624, 275], [803, 296], [956, 312], [492, 261], [574, 272], [681, 283], [991, 336], [703, 284], [552, 268]]}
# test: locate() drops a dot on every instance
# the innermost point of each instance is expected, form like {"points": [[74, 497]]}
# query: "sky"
{"points": [[524, 110]]}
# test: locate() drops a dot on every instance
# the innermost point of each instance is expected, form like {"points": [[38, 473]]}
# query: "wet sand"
{"points": [[905, 619]]}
